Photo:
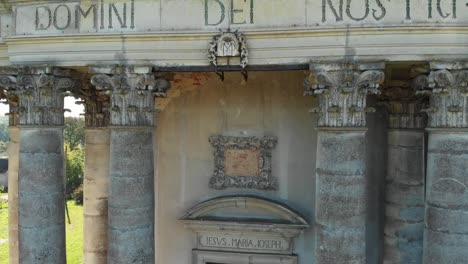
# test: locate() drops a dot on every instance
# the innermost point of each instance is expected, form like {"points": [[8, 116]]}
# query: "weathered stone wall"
{"points": [[270, 104]]}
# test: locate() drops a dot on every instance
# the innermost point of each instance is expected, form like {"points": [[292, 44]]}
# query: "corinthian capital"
{"points": [[342, 90], [448, 90], [404, 106], [36, 94], [131, 91]]}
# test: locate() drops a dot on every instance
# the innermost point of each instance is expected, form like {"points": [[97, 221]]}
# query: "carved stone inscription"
{"points": [[102, 15], [242, 242], [242, 162], [71, 17]]}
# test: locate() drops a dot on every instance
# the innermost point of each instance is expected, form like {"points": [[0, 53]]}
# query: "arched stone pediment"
{"points": [[245, 208], [244, 223]]}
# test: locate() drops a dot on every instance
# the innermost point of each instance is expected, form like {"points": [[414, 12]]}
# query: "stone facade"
{"points": [[202, 148]]}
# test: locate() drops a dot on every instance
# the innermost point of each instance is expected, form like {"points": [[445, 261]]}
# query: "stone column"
{"points": [[131, 170], [341, 196], [446, 207], [404, 192], [96, 176], [13, 166], [41, 225]]}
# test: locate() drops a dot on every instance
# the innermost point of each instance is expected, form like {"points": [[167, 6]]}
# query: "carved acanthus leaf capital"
{"points": [[342, 94], [96, 105], [36, 94], [448, 90], [404, 106], [131, 96]]}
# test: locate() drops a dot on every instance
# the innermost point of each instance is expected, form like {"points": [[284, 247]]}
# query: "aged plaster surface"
{"points": [[261, 180]]}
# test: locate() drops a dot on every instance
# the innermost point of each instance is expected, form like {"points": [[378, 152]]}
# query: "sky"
{"points": [[76, 110]]}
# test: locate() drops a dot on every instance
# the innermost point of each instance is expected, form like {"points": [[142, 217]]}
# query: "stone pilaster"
{"points": [[96, 174], [446, 207], [13, 164], [341, 196], [132, 91], [40, 93], [404, 192]]}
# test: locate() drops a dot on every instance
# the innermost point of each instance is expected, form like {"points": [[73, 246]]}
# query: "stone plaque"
{"points": [[242, 162], [244, 242]]}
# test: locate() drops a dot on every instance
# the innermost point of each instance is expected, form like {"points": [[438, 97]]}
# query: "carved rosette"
{"points": [[131, 96], [36, 96], [342, 94], [265, 181], [448, 92], [404, 106]]}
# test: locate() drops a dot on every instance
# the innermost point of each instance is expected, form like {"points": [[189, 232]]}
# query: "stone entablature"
{"points": [[73, 33]]}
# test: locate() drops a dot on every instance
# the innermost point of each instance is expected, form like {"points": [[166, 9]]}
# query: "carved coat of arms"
{"points": [[228, 44]]}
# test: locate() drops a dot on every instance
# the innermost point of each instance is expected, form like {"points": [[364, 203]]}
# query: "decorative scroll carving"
{"points": [[449, 97], [404, 106], [131, 95], [36, 94], [264, 180], [343, 94], [228, 44]]}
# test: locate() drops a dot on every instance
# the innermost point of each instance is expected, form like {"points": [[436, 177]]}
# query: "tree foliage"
{"points": [[74, 132], [74, 169]]}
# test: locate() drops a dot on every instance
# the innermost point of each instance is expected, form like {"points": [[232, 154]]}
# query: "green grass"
{"points": [[4, 232], [74, 234]]}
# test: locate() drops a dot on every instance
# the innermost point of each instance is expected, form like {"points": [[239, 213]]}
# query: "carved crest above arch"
{"points": [[228, 44]]}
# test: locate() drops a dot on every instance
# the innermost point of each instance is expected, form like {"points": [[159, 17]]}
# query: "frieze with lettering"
{"points": [[71, 17]]}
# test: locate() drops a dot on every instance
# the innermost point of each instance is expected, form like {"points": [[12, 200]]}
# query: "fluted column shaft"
{"points": [[446, 207], [131, 169], [341, 195], [41, 225]]}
